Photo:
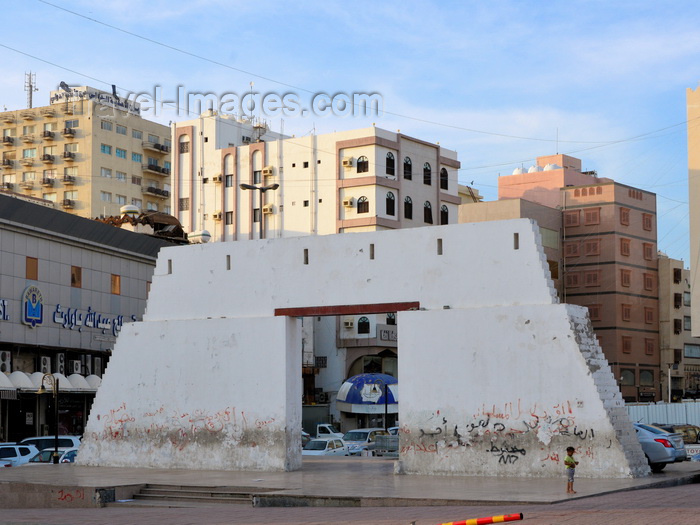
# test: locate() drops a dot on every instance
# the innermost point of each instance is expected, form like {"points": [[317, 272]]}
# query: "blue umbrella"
{"points": [[364, 394]]}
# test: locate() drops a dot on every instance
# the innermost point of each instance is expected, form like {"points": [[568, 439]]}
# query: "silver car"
{"points": [[660, 447]]}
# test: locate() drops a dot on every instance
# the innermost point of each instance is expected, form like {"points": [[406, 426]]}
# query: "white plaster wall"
{"points": [[507, 390], [406, 267], [186, 394]]}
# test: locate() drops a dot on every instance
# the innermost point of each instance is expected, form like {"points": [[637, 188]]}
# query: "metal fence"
{"points": [[687, 412]]}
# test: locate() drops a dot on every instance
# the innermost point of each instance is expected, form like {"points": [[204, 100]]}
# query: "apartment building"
{"points": [[88, 153], [607, 260], [693, 127]]}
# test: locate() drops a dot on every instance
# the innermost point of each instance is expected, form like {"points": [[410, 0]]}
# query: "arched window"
{"points": [[363, 325], [443, 179], [390, 204], [427, 212], [362, 164], [407, 208], [391, 318], [390, 164], [407, 168], [362, 205], [444, 215], [427, 174]]}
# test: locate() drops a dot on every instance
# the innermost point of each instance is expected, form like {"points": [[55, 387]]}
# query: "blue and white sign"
{"points": [[4, 313], [32, 306], [72, 319]]}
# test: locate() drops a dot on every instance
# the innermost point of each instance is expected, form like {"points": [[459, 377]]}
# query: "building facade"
{"points": [[693, 126], [67, 286], [88, 153]]}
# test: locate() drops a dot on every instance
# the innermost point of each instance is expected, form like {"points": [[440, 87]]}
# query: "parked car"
{"points": [[394, 431], [305, 438], [69, 456], [660, 447], [325, 447], [46, 456], [690, 433], [42, 442], [17, 454], [359, 439]]}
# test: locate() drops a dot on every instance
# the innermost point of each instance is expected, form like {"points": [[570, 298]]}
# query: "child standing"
{"points": [[570, 464]]}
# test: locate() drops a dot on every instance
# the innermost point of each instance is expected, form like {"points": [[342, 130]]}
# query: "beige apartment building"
{"points": [[87, 152], [693, 124]]}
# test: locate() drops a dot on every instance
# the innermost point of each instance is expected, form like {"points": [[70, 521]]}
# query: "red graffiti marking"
{"points": [[71, 495]]}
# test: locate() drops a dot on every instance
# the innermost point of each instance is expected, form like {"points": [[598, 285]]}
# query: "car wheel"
{"points": [[657, 467]]}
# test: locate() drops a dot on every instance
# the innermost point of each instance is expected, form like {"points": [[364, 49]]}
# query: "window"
{"points": [[106, 125], [257, 177], [362, 165], [152, 138], [116, 284], [677, 326], [106, 172], [50, 126], [626, 344], [648, 350], [677, 300], [137, 202], [444, 214], [407, 208], [573, 279], [136, 134], [627, 377], [306, 204], [677, 355], [183, 204], [50, 150], [106, 149], [121, 176], [591, 216], [29, 175], [686, 323], [167, 142], [626, 312], [649, 315], [32, 268], [121, 199], [391, 318], [362, 205], [677, 275], [28, 130], [71, 148], [228, 181], [646, 221], [70, 172], [136, 180], [648, 281], [363, 325], [591, 247], [594, 311], [229, 218], [50, 174], [105, 196], [648, 251], [427, 213], [625, 247], [256, 215], [625, 216], [692, 351], [407, 168], [121, 130], [571, 218], [591, 278], [427, 174], [121, 153], [686, 298], [152, 161], [390, 204], [625, 277], [49, 196], [571, 249], [70, 195], [184, 147], [444, 179], [166, 209], [151, 206], [646, 377], [390, 165], [76, 276], [72, 124], [29, 153], [137, 157]]}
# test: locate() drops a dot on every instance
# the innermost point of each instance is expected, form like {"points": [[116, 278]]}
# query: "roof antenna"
{"points": [[30, 87], [557, 141]]}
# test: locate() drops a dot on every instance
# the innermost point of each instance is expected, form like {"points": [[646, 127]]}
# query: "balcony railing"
{"points": [[47, 158], [8, 118], [27, 115], [27, 162], [8, 185], [68, 132], [68, 155], [47, 182], [28, 139], [26, 184], [7, 163], [155, 146], [8, 141], [154, 168], [68, 203], [48, 135], [157, 192], [68, 180], [48, 112]]}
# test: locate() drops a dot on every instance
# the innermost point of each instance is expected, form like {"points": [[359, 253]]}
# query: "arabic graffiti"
{"points": [[506, 453], [73, 319]]}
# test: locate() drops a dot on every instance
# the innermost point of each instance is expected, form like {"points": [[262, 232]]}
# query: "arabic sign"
{"points": [[4, 314], [87, 93], [72, 319], [32, 306]]}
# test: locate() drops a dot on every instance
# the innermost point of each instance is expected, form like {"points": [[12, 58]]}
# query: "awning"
{"points": [[94, 381], [7, 389], [80, 384], [63, 384], [364, 394]]}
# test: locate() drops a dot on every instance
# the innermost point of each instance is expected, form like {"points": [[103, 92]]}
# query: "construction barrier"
{"points": [[485, 521]]}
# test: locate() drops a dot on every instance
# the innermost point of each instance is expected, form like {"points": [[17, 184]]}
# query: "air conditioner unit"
{"points": [[268, 171], [268, 209], [245, 140], [349, 324], [323, 397], [349, 202], [347, 163], [74, 367], [6, 361], [98, 367], [45, 364], [217, 178], [216, 216], [61, 364]]}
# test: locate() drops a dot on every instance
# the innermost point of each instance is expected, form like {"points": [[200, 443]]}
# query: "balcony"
{"points": [[26, 184], [47, 183], [27, 114], [155, 146], [47, 159], [27, 139], [8, 118], [8, 163], [8, 141], [68, 203], [48, 135], [68, 156], [68, 132], [68, 180], [8, 185], [156, 192], [69, 108], [48, 112], [154, 168], [26, 162]]}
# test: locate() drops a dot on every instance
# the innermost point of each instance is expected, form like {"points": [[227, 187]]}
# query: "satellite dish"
{"points": [[64, 87]]}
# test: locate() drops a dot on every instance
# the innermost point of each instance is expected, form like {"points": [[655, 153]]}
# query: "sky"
{"points": [[501, 82]]}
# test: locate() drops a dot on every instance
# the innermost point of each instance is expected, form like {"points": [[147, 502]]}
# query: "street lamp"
{"points": [[261, 189], [53, 381], [376, 390]]}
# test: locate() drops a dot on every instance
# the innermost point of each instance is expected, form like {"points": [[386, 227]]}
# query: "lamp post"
{"points": [[53, 381], [262, 190], [379, 381]]}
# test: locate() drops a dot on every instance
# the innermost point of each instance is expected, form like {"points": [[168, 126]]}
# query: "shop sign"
{"points": [[29, 418], [4, 313], [72, 319], [32, 306], [388, 334]]}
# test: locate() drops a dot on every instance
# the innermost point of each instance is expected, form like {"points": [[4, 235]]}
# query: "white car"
{"points": [[17, 454], [325, 447], [44, 442], [360, 439], [46, 456]]}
